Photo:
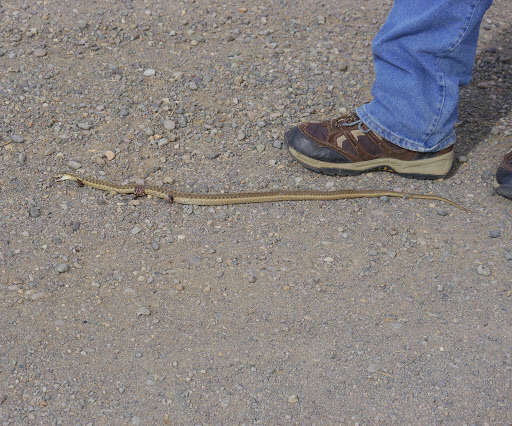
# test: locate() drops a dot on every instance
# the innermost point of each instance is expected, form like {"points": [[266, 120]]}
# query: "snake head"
{"points": [[64, 176]]}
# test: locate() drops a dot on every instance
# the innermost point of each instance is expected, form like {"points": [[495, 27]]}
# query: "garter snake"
{"points": [[243, 197]]}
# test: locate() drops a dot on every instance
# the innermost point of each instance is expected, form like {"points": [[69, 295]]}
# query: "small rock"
{"points": [[143, 311], [494, 233], [462, 158], [277, 144], [22, 157], [17, 138], [136, 420], [109, 155], [252, 277], [213, 155], [508, 255], [168, 179], [37, 296], [150, 72], [74, 164], [62, 267], [162, 142], [240, 135], [84, 125], [155, 245], [260, 147], [124, 113], [135, 230], [40, 52], [372, 368], [169, 124], [483, 270], [192, 85], [442, 212], [293, 399], [34, 212]]}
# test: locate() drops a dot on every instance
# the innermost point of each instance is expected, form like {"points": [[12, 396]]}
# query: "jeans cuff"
{"points": [[402, 142]]}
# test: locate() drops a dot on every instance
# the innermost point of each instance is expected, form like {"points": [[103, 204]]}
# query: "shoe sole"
{"points": [[429, 168], [505, 191]]}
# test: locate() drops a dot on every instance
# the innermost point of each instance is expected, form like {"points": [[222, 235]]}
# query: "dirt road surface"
{"points": [[123, 311]]}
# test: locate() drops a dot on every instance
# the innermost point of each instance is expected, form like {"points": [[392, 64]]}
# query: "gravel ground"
{"points": [[122, 311]]}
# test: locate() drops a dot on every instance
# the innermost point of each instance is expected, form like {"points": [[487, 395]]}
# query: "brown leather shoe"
{"points": [[345, 146], [504, 176]]}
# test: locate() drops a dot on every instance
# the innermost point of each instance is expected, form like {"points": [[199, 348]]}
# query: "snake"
{"points": [[219, 199]]}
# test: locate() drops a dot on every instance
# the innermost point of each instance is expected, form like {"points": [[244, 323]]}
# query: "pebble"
{"points": [[508, 255], [155, 245], [372, 368], [277, 144], [135, 230], [17, 138], [442, 212], [494, 233], [109, 155], [483, 270], [136, 421], [38, 295], [293, 399], [162, 142], [143, 311], [252, 277], [169, 124], [34, 212], [84, 125], [74, 164], [462, 158], [240, 135], [150, 72], [62, 267], [40, 53], [260, 147]]}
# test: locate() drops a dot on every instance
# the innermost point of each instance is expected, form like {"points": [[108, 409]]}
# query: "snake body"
{"points": [[219, 199]]}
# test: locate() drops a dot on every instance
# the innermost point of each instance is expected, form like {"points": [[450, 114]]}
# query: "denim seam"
{"points": [[464, 30], [436, 120]]}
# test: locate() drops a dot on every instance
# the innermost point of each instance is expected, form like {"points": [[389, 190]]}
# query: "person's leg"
{"points": [[424, 51]]}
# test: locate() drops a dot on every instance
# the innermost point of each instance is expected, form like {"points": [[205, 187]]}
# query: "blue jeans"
{"points": [[422, 55]]}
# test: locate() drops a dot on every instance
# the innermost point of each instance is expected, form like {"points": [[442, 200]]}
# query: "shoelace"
{"points": [[355, 121]]}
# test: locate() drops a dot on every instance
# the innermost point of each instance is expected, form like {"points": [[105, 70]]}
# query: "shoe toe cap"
{"points": [[298, 141], [504, 176]]}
